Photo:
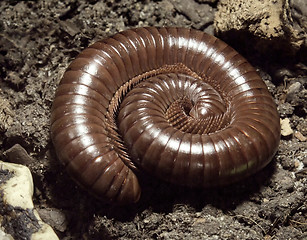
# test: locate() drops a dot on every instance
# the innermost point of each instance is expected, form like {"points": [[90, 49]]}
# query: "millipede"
{"points": [[174, 103]]}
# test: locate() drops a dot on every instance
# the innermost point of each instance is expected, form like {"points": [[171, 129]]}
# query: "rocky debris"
{"points": [[54, 217], [300, 136], [18, 217], [293, 90], [286, 129], [272, 21], [200, 14], [17, 154]]}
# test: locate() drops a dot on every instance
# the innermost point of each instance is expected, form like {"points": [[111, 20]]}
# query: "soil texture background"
{"points": [[38, 40]]}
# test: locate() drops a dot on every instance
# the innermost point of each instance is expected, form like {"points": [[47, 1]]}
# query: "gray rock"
{"points": [[17, 154], [293, 89], [54, 218]]}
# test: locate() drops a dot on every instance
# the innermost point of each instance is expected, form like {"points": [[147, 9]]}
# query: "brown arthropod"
{"points": [[177, 103]]}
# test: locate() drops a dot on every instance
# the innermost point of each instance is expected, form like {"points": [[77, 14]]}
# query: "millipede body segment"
{"points": [[176, 103]]}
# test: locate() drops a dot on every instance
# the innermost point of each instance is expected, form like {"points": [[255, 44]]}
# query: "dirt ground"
{"points": [[38, 39]]}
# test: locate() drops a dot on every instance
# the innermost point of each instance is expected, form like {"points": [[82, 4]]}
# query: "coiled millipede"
{"points": [[176, 103]]}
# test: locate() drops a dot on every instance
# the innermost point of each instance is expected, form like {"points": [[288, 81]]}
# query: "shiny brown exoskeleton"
{"points": [[177, 103]]}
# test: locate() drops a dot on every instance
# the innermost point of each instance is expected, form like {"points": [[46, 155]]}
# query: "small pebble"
{"points": [[69, 27], [300, 136], [17, 154], [293, 89], [286, 129], [54, 217]]}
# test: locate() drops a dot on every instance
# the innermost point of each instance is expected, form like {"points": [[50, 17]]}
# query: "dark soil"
{"points": [[38, 39]]}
